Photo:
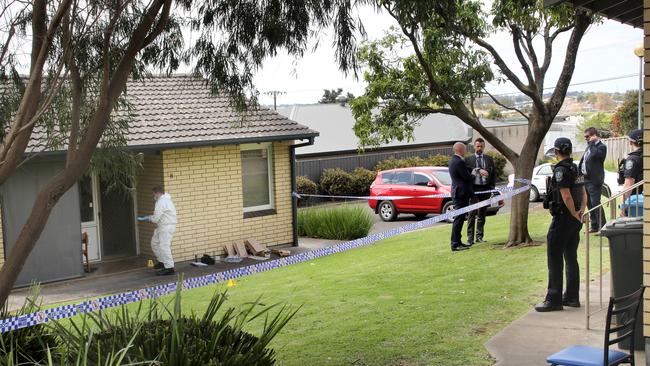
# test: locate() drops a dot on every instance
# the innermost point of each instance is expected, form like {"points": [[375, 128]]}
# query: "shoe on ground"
{"points": [[594, 230], [165, 272], [573, 303], [158, 265], [468, 244], [459, 248], [481, 240], [547, 306]]}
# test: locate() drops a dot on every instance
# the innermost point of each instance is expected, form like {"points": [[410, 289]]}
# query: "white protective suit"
{"points": [[164, 216]]}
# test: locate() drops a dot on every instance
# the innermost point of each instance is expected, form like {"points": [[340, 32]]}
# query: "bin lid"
{"points": [[623, 225]]}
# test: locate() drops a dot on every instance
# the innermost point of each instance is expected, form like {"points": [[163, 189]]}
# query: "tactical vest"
{"points": [[553, 201]]}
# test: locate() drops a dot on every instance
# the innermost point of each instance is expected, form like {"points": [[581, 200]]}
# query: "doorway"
{"points": [[108, 217]]}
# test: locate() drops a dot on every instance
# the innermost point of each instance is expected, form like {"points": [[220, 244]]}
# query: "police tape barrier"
{"points": [[106, 302]]}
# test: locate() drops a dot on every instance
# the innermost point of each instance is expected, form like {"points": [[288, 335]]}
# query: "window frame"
{"points": [[429, 179], [271, 175]]}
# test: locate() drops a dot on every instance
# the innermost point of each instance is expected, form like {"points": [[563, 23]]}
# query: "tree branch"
{"points": [[505, 106], [160, 26], [581, 24], [517, 42]]}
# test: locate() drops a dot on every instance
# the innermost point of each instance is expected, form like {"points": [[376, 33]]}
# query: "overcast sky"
{"points": [[607, 51]]}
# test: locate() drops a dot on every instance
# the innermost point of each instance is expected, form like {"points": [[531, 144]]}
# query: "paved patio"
{"points": [[535, 336]]}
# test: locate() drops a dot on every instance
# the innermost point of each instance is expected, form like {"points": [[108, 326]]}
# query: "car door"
{"points": [[402, 187], [539, 178], [419, 188]]}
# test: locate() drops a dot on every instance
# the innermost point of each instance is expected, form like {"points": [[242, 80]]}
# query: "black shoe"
{"points": [[480, 240], [459, 248], [546, 306], [468, 244], [574, 303], [165, 272], [158, 265]]}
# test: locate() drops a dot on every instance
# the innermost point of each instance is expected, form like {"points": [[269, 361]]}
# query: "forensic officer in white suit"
{"points": [[164, 216]]}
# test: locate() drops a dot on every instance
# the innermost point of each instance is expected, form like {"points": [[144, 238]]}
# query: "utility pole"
{"points": [[275, 94]]}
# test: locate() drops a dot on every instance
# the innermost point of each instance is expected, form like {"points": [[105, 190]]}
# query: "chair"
{"points": [[626, 309], [84, 250]]}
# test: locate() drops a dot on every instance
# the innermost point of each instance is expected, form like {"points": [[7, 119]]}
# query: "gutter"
{"points": [[294, 200]]}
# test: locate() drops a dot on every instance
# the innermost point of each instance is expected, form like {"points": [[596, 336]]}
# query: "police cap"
{"points": [[563, 145], [636, 136]]}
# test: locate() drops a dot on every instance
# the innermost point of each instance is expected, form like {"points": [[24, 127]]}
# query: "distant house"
{"points": [[337, 145], [229, 178]]}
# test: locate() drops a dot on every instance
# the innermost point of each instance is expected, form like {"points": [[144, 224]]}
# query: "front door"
{"points": [[88, 201]]}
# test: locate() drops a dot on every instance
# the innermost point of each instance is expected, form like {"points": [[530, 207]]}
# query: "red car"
{"points": [[414, 182]]}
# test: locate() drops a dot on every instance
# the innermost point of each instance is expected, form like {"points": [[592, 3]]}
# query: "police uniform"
{"points": [[563, 235], [634, 163]]}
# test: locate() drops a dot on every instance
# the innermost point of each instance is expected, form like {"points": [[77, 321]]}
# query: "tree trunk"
{"points": [[524, 169]]}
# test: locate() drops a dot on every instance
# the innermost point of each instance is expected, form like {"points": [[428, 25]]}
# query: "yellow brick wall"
{"points": [[646, 168], [205, 185], [150, 176]]}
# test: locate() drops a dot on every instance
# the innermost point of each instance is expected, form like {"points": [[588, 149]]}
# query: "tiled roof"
{"points": [[181, 111]]}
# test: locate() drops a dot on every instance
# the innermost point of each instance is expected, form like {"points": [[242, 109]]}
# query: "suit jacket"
{"points": [[489, 166], [461, 178], [595, 163]]}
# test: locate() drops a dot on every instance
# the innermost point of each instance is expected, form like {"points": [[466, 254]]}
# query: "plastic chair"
{"points": [[626, 309]]}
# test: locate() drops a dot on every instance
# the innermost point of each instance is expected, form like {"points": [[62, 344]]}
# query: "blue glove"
{"points": [[144, 218]]}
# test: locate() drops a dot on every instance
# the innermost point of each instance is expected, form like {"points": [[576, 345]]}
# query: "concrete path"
{"points": [[535, 336]]}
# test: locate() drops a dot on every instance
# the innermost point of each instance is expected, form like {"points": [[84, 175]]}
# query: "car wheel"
{"points": [[387, 211], [533, 194], [448, 207], [420, 216]]}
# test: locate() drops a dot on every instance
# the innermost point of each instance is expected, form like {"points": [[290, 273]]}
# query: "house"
{"points": [[337, 146], [230, 178]]}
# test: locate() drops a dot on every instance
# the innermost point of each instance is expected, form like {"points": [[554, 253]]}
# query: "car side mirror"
{"points": [[432, 184]]}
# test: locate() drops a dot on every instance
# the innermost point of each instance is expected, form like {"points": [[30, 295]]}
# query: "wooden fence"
{"points": [[617, 149]]}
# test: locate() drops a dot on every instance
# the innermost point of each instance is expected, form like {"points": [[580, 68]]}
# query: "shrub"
{"points": [[27, 345], [499, 164], [438, 160], [336, 182], [156, 332], [431, 160], [362, 178], [304, 185], [340, 222]]}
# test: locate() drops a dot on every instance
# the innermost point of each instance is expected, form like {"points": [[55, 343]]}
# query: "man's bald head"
{"points": [[459, 148]]}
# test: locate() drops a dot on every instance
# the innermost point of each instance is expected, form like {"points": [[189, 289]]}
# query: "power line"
{"points": [[580, 83], [275, 94]]}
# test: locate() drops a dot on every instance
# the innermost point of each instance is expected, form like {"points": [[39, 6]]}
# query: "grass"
{"points": [[407, 300], [338, 222]]}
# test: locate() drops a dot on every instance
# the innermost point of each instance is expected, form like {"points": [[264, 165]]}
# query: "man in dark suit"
{"points": [[592, 167], [461, 192], [485, 180]]}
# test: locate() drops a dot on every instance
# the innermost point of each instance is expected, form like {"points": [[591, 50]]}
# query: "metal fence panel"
{"points": [[313, 167]]}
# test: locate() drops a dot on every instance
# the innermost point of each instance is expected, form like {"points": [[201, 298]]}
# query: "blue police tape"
{"points": [[69, 311]]}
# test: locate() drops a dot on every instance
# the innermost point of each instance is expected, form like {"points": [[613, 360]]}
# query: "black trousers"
{"points": [[596, 218], [562, 247], [457, 226], [476, 218]]}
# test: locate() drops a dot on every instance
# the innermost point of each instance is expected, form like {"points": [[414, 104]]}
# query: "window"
{"points": [[420, 179], [402, 178], [387, 178], [443, 177], [545, 170], [257, 177]]}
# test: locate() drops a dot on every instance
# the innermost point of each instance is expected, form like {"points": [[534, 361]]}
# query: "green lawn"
{"points": [[407, 300]]}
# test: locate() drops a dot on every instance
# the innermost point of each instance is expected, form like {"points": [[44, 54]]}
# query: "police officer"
{"points": [[633, 168], [567, 201]]}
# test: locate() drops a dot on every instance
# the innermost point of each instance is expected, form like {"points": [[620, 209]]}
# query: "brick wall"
{"points": [[205, 185], [149, 177], [646, 168]]}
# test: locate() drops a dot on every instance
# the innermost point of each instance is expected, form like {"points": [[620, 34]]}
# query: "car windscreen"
{"points": [[442, 176]]}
